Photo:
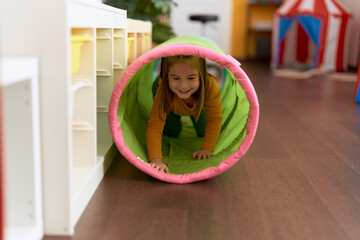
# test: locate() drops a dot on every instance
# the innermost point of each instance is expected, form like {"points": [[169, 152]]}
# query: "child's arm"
{"points": [[154, 131], [213, 109]]}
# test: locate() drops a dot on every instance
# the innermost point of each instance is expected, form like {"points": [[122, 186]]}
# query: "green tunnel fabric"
{"points": [[134, 109]]}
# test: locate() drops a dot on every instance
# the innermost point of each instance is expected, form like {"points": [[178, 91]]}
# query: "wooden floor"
{"points": [[299, 180]]}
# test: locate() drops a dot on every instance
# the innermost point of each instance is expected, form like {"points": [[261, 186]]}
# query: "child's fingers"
{"points": [[154, 165], [160, 167], [201, 155], [196, 155], [164, 169]]}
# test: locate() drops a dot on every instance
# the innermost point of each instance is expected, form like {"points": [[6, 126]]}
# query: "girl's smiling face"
{"points": [[184, 80]]}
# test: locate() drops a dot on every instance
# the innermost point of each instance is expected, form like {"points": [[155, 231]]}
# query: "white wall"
{"points": [[219, 32]]}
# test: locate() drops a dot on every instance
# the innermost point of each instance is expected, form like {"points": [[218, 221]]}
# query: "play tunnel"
{"points": [[132, 101]]}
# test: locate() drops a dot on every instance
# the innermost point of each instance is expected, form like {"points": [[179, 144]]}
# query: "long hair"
{"points": [[167, 96]]}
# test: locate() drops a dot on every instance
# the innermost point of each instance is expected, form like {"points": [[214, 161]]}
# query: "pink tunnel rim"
{"points": [[184, 49]]}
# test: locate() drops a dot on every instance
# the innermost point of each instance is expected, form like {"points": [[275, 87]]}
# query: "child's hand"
{"points": [[158, 164], [202, 154]]}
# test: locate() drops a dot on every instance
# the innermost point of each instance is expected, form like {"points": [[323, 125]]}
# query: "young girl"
{"points": [[184, 88]]}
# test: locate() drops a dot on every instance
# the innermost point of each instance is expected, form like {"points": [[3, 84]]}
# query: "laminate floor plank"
{"points": [[290, 207], [335, 181], [346, 144]]}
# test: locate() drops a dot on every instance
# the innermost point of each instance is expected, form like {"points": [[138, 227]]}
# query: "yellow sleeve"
{"points": [[154, 130], [213, 109]]}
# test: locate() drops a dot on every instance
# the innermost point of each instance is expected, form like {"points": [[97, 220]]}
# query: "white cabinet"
{"points": [[96, 65], [20, 113]]}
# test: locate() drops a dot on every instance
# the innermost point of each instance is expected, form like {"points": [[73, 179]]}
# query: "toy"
{"points": [[131, 103]]}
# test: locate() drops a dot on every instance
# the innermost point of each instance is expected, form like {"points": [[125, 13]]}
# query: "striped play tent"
{"points": [[312, 33]]}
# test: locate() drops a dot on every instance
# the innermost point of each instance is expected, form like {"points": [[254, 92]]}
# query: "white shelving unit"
{"points": [[99, 63], [139, 38], [76, 144], [22, 203]]}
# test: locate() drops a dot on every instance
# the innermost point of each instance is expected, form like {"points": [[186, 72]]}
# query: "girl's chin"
{"points": [[183, 95]]}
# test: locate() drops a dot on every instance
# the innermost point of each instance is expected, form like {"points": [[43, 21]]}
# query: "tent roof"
{"points": [[317, 8]]}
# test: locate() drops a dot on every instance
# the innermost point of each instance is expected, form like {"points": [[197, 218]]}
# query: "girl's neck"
{"points": [[189, 102]]}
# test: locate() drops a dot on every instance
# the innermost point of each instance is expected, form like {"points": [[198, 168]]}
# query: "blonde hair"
{"points": [[166, 95]]}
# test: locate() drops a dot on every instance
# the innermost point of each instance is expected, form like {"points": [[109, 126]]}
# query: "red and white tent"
{"points": [[314, 33]]}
